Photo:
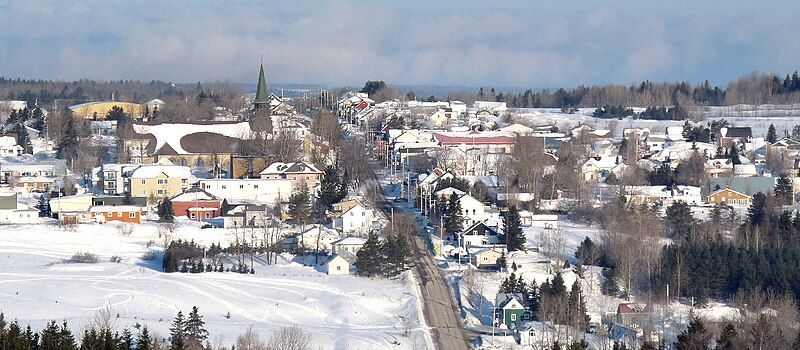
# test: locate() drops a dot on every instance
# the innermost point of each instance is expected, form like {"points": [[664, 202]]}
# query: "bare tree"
{"points": [[289, 338], [249, 340]]}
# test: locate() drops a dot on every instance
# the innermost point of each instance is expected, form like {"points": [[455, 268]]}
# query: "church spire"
{"points": [[262, 98]]}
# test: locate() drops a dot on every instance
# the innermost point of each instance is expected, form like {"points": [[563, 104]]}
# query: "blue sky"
{"points": [[487, 43]]}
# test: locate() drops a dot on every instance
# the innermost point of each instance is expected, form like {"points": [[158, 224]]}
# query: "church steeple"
{"points": [[262, 97]]}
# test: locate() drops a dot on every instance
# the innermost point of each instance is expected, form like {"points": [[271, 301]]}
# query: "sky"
{"points": [[521, 44]]}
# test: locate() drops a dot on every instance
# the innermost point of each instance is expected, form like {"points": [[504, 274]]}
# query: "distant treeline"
{"points": [[46, 91], [751, 89]]}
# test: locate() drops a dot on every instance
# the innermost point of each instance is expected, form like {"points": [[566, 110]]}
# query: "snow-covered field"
{"points": [[37, 285]]}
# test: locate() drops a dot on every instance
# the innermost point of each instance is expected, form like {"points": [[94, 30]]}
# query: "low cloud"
{"points": [[348, 42]]}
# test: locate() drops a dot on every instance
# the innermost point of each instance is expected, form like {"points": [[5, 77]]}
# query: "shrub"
{"points": [[83, 258]]}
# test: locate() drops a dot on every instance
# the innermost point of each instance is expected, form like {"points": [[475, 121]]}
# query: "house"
{"points": [[98, 110], [14, 212], [744, 170], [265, 191], [358, 219], [473, 210], [159, 180], [746, 185], [337, 265], [124, 213], [343, 206], [662, 195], [9, 147], [479, 234], [517, 129], [719, 167], [299, 173], [11, 171], [317, 237], [509, 310], [112, 178], [38, 184], [545, 221], [598, 168], [486, 257], [474, 152], [71, 209], [738, 134], [347, 246], [196, 204], [633, 314], [730, 197]]}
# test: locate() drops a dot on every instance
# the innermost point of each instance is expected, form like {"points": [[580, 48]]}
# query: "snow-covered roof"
{"points": [[297, 167], [194, 195], [110, 208], [152, 171], [169, 135], [350, 241], [449, 192]]}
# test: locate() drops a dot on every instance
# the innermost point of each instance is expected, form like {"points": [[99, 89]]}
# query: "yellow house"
{"points": [[159, 180], [98, 110]]}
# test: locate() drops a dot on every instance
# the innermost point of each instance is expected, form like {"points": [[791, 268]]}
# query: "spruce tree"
{"points": [[695, 337], [299, 208], [70, 143], [127, 199], [726, 338], [23, 139], [515, 236], [577, 307], [734, 154], [369, 258], [195, 328], [143, 341], [165, 211], [177, 333], [772, 134], [397, 254], [783, 189], [453, 220], [329, 187]]}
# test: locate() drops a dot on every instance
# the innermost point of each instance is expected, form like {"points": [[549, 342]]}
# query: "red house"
{"points": [[196, 204], [124, 213]]}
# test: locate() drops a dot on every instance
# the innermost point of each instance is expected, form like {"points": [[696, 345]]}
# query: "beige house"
{"points": [[338, 265], [159, 180], [485, 257], [300, 173]]}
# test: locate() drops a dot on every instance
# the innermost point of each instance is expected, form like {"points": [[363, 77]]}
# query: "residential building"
{"points": [[9, 147], [37, 184], [730, 197], [509, 310], [474, 152], [14, 212], [264, 191], [479, 234], [301, 174], [337, 265], [159, 181], [317, 237], [123, 213], [196, 204], [487, 257], [71, 209], [359, 219], [347, 246]]}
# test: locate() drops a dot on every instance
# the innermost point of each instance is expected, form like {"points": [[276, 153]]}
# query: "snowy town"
{"points": [[397, 208]]}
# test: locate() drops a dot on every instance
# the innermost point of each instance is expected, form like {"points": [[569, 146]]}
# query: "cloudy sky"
{"points": [[527, 43]]}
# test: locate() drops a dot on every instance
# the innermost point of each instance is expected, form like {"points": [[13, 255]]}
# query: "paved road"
{"points": [[439, 307]]}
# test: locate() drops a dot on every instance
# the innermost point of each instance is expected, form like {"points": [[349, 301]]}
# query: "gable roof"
{"points": [[729, 190], [194, 194], [737, 131], [477, 225], [290, 168]]}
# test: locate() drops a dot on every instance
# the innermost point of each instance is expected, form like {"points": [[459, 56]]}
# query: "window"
{"points": [[338, 268], [143, 181], [224, 186], [208, 215], [241, 186], [513, 317], [119, 214], [255, 186], [131, 215], [192, 215], [160, 192], [110, 214], [143, 193], [162, 181]]}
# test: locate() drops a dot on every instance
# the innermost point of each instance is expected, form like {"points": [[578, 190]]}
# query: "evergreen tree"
{"points": [[127, 199], [648, 346], [69, 144], [758, 209], [165, 211], [44, 206], [39, 121], [695, 337], [329, 187], [609, 286], [453, 220], [195, 328], [143, 341], [368, 258], [734, 154], [23, 139], [772, 134], [783, 188], [680, 218], [397, 252], [126, 340], [577, 307], [727, 337], [177, 333], [515, 236], [299, 208]]}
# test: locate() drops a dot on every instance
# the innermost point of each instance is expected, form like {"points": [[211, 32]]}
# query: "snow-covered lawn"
{"points": [[37, 285]]}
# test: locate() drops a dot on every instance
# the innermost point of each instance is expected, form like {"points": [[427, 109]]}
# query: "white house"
{"points": [[472, 210], [13, 212], [318, 237], [347, 246], [9, 147], [479, 234], [337, 265], [597, 168], [256, 190], [358, 219]]}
